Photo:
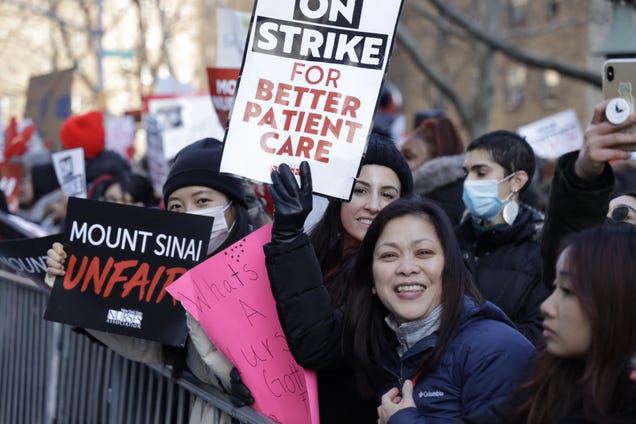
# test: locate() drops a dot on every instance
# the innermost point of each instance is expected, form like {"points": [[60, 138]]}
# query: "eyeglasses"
{"points": [[621, 212]]}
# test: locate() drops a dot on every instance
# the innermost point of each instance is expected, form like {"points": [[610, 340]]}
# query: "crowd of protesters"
{"points": [[437, 293]]}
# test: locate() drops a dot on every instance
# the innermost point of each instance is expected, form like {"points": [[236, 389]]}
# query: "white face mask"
{"points": [[220, 229]]}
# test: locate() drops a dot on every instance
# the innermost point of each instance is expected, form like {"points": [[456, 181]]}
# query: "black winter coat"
{"points": [[500, 414], [574, 204], [507, 267], [297, 286]]}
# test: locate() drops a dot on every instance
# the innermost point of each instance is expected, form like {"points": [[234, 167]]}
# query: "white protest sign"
{"points": [[184, 120], [70, 171], [554, 135], [157, 165], [308, 89], [232, 27], [120, 134]]}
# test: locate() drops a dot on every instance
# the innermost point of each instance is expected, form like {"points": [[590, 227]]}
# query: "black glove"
{"points": [[240, 394], [291, 203]]}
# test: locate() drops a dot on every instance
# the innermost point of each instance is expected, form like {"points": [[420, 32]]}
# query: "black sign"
{"points": [[27, 258], [120, 261]]}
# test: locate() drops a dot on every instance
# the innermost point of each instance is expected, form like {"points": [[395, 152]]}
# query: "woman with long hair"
{"points": [[413, 314], [323, 260], [582, 374]]}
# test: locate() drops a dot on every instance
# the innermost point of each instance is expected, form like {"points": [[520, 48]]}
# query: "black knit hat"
{"points": [[198, 164], [381, 150], [44, 180], [106, 162]]}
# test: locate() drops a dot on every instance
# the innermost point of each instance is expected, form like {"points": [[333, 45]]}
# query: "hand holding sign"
{"points": [[309, 84], [230, 295], [291, 204]]}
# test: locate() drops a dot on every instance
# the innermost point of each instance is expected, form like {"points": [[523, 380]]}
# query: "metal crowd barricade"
{"points": [[50, 373]]}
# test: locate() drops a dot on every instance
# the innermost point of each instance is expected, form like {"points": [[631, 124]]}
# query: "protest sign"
{"points": [[222, 84], [16, 227], [70, 171], [120, 134], [308, 89], [121, 260], [10, 181], [554, 135], [157, 164], [184, 120], [27, 257], [49, 104], [232, 27], [230, 295]]}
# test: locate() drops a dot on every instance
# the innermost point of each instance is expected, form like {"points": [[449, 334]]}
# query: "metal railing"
{"points": [[51, 374]]}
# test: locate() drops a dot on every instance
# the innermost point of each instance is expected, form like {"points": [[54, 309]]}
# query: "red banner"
{"points": [[222, 83]]}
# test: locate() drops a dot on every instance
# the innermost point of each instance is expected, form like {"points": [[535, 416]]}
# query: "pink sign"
{"points": [[230, 295]]}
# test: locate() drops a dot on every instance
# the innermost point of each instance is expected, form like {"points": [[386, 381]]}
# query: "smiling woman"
{"points": [[322, 261], [407, 268], [417, 327]]}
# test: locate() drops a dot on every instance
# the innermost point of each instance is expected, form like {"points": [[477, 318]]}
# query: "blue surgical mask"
{"points": [[481, 198]]}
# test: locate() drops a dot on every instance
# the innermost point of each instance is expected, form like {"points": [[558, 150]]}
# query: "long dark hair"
{"points": [[366, 335], [602, 266], [327, 237]]}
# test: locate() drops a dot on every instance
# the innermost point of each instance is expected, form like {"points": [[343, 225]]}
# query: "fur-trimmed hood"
{"points": [[437, 173]]}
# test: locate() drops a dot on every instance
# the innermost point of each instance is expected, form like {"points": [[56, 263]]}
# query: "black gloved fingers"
{"points": [[287, 192], [240, 394], [305, 179], [289, 180], [280, 200]]}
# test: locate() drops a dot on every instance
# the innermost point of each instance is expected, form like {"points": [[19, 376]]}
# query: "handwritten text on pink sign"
{"points": [[230, 295]]}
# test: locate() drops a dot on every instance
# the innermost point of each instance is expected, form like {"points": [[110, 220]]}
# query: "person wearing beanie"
{"points": [[324, 258], [193, 185], [85, 130], [107, 162]]}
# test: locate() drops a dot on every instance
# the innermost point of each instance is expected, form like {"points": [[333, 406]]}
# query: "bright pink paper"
{"points": [[230, 295]]}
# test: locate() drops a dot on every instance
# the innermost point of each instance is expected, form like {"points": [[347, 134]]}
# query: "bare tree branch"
{"points": [[529, 59], [443, 84], [546, 29]]}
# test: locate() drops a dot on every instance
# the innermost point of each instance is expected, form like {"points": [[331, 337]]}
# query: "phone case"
{"points": [[619, 80]]}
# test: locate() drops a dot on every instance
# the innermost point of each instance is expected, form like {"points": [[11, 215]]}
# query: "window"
{"points": [[517, 12], [516, 76], [551, 9], [550, 88]]}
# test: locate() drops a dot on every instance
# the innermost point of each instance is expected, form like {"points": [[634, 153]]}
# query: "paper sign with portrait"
{"points": [[70, 171]]}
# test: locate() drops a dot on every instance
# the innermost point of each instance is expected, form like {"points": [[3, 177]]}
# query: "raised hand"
{"points": [[292, 204], [602, 143]]}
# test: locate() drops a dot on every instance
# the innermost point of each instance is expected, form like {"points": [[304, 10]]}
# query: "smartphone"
{"points": [[619, 80]]}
